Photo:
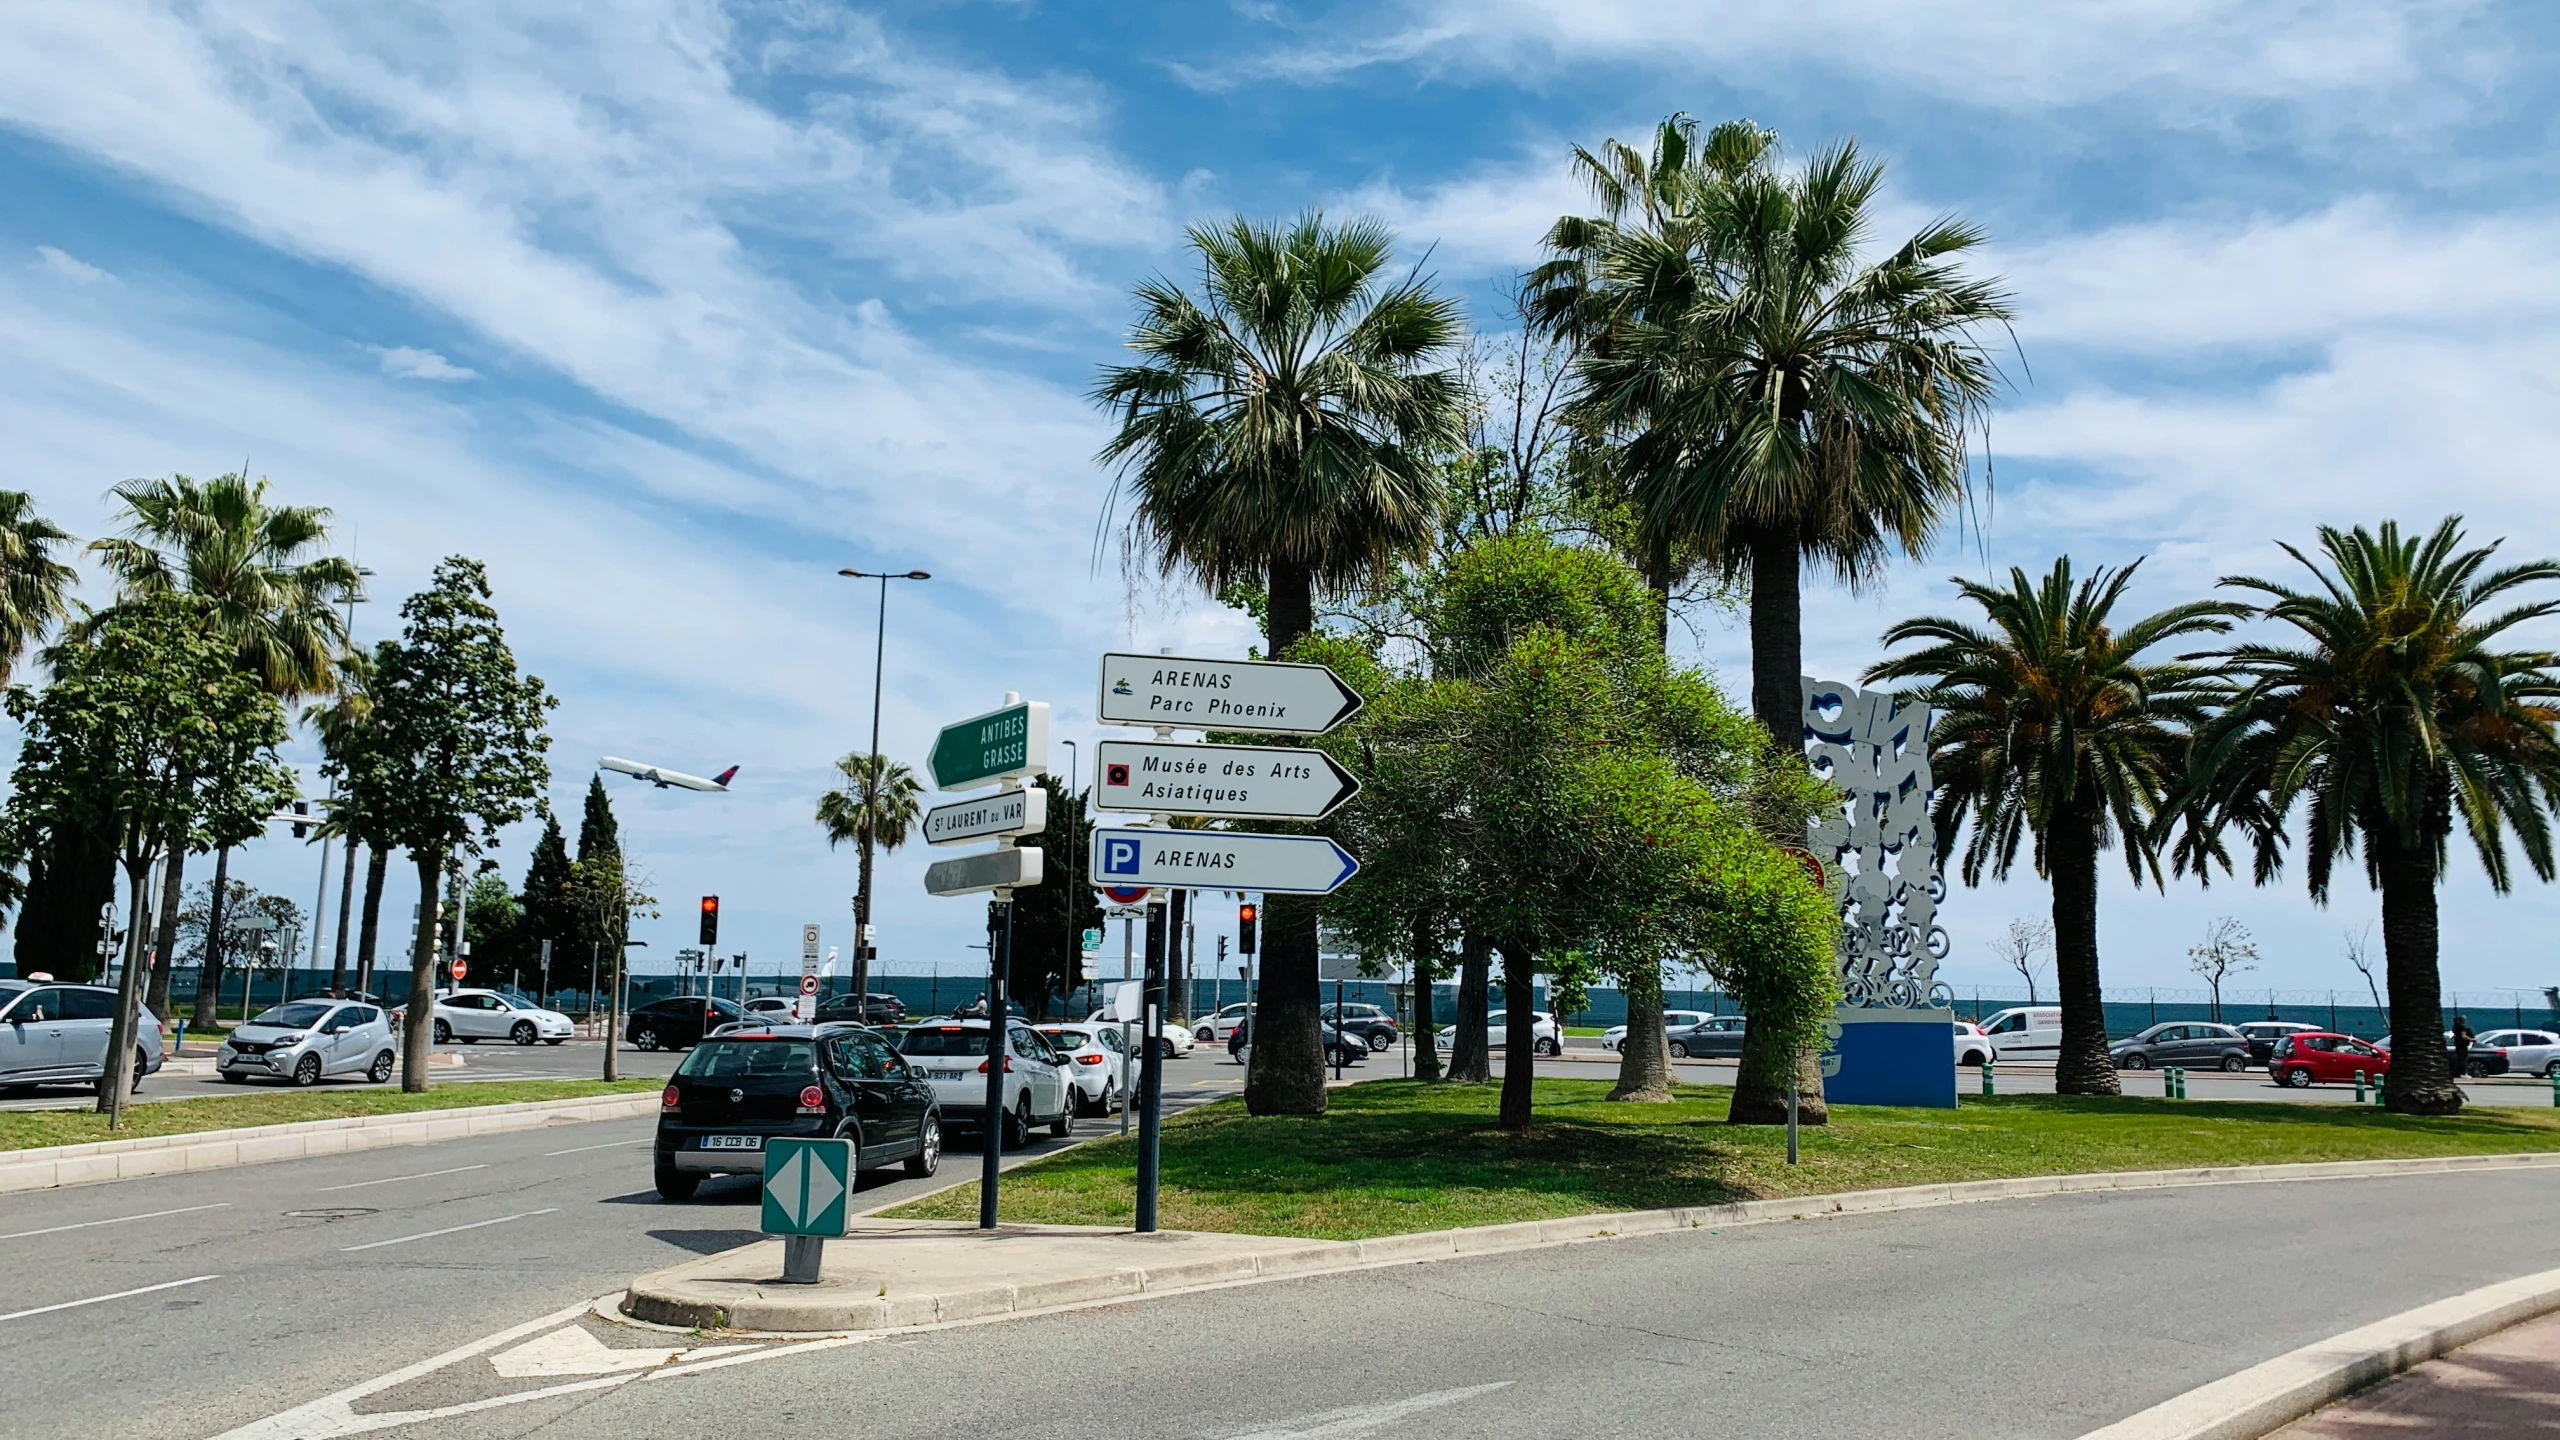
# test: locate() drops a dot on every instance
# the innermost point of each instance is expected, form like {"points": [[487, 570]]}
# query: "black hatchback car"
{"points": [[843, 1082], [679, 1022], [878, 1008]]}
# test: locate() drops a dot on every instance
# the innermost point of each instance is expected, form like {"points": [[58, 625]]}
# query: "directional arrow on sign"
{"points": [[1248, 781], [1257, 697], [986, 748], [1222, 860]]}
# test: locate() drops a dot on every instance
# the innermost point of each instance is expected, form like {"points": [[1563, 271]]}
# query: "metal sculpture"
{"points": [[1878, 853]]}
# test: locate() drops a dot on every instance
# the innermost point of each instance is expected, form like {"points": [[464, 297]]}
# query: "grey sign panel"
{"points": [[1258, 697], [995, 870], [1246, 781]]}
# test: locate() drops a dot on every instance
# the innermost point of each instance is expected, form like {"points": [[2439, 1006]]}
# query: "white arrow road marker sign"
{"points": [[1221, 860], [1246, 781], [1259, 697], [1011, 812]]}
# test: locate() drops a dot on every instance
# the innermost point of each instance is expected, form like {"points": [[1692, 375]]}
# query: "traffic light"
{"points": [[710, 919], [301, 830], [1244, 928]]}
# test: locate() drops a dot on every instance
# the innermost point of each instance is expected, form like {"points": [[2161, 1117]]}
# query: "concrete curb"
{"points": [[663, 1297], [102, 1160], [2265, 1397]]}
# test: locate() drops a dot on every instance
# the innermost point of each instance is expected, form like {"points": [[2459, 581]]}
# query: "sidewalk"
{"points": [[2507, 1384]]}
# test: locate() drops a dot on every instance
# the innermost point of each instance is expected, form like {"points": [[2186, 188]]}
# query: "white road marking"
{"points": [[119, 1220], [1362, 1419], [449, 1230], [396, 1179], [102, 1299], [608, 1145], [576, 1351]]}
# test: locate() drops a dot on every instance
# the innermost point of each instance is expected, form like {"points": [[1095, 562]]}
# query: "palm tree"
{"points": [[2397, 716], [221, 540], [2052, 721], [1781, 399], [1284, 426], [877, 806], [33, 584]]}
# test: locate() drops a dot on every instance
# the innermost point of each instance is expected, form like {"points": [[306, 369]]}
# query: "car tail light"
{"points": [[1088, 1059], [813, 1098], [671, 1098], [1008, 1066]]}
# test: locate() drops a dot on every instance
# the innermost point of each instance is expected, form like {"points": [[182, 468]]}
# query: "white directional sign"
{"points": [[1221, 860], [995, 870], [1161, 778], [1255, 696], [1009, 812]]}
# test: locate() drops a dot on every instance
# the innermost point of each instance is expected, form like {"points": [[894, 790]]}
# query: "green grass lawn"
{"points": [[1591, 1030], [1396, 1156], [28, 1129]]}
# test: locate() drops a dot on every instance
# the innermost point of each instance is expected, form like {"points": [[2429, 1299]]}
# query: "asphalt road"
{"points": [[487, 1061], [2035, 1318]]}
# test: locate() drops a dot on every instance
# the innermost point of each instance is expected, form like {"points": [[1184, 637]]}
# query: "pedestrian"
{"points": [[2461, 1046]]}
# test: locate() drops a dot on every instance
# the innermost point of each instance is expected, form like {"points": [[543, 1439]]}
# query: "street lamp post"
{"points": [[863, 946], [1075, 951]]}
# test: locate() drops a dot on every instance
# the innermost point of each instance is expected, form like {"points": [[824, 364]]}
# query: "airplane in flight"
{"points": [[717, 784]]}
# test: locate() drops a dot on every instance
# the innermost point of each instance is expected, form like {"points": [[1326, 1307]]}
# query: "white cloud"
{"points": [[70, 267], [400, 362]]}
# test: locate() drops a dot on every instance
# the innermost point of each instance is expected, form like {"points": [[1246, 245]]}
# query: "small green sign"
{"points": [[984, 748], [1092, 940], [806, 1184]]}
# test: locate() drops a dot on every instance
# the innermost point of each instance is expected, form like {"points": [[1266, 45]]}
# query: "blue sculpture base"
{"points": [[1889, 1057]]}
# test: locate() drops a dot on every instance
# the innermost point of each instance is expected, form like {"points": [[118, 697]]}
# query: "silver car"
{"points": [[306, 1041], [53, 1034]]}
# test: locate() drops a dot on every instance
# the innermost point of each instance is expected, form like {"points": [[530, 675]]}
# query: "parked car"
{"points": [[832, 1081], [2536, 1051], [366, 996], [775, 1006], [678, 1022], [2481, 1059], [952, 1057], [1717, 1036], [1094, 1056], [2030, 1032], [2194, 1044], [307, 1041], [1340, 1050], [1216, 1028], [472, 1016], [1174, 1044], [2263, 1035], [56, 1034], [1616, 1035], [875, 1008], [1546, 1033], [1972, 1046], [1366, 1022], [2324, 1057]]}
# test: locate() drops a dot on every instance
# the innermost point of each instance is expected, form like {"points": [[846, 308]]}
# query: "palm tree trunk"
{"points": [[377, 860], [418, 1027], [164, 940], [346, 903], [1424, 1039], [1777, 701], [1288, 1051], [2420, 1081], [1469, 1059], [209, 973], [1644, 1057], [2082, 1067], [1519, 1034]]}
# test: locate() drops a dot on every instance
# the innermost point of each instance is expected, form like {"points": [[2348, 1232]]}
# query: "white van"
{"points": [[2030, 1032]]}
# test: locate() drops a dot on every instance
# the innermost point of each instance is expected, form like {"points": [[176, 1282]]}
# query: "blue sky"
{"points": [[667, 310]]}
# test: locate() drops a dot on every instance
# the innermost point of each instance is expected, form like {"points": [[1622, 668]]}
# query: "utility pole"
{"points": [[1151, 1074]]}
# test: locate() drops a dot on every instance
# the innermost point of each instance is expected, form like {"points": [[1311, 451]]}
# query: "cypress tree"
{"points": [[598, 837]]}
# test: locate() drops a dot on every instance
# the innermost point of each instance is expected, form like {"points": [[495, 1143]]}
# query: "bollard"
{"points": [[1988, 1088], [2359, 1087], [2555, 1087]]}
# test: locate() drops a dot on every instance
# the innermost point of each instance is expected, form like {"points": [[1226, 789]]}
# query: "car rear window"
{"points": [[743, 1059], [936, 1041], [1069, 1037]]}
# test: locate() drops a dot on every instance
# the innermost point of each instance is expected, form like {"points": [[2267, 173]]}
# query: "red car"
{"points": [[2325, 1057]]}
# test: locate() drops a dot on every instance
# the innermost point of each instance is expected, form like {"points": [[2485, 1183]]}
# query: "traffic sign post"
{"points": [[1258, 697], [1151, 1075], [807, 1006], [1242, 781], [807, 1184], [1008, 812], [1222, 860], [1001, 744]]}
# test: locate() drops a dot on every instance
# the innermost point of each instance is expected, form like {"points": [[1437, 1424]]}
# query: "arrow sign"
{"points": [[986, 748], [995, 870], [804, 1185], [1261, 781], [1259, 697], [1013, 812], [1222, 860]]}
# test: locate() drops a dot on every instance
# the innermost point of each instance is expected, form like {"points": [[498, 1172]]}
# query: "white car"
{"points": [[951, 1056], [1616, 1035], [778, 1007], [1546, 1033], [472, 1016], [1972, 1046], [307, 1041], [1096, 1054], [2028, 1032], [1178, 1037], [1216, 1028], [2529, 1052]]}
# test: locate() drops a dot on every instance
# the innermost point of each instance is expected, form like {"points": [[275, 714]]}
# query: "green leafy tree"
{"points": [[2053, 722], [35, 585], [456, 750], [1284, 424], [71, 873], [1050, 918], [502, 953], [2395, 716], [342, 720], [599, 834], [548, 910], [875, 808]]}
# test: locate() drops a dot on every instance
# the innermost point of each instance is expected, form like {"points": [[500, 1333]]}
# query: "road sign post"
{"points": [[999, 960], [1221, 860], [807, 1005], [807, 1185], [1241, 781], [1151, 1070]]}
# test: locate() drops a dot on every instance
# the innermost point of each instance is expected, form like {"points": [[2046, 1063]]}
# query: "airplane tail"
{"points": [[722, 779]]}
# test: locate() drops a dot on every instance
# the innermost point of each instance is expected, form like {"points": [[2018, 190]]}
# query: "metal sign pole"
{"points": [[1151, 1072], [999, 956]]}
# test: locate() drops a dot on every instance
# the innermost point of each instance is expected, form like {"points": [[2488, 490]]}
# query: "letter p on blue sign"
{"points": [[1119, 857]]}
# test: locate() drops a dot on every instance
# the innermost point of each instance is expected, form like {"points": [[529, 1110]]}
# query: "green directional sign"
{"points": [[1092, 939], [986, 748], [806, 1184]]}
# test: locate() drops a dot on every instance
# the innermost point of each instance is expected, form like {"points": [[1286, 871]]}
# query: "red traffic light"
{"points": [[1245, 914], [710, 919]]}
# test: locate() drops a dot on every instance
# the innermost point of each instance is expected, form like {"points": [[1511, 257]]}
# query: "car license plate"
{"points": [[732, 1142], [949, 1074]]}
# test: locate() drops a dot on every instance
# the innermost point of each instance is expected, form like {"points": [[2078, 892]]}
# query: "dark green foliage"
{"points": [[1049, 918], [71, 874], [546, 906], [599, 834]]}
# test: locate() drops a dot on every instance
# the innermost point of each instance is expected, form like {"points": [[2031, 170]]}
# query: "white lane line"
{"points": [[581, 1150], [102, 1299], [394, 1180], [448, 1230], [1364, 1419], [119, 1220]]}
